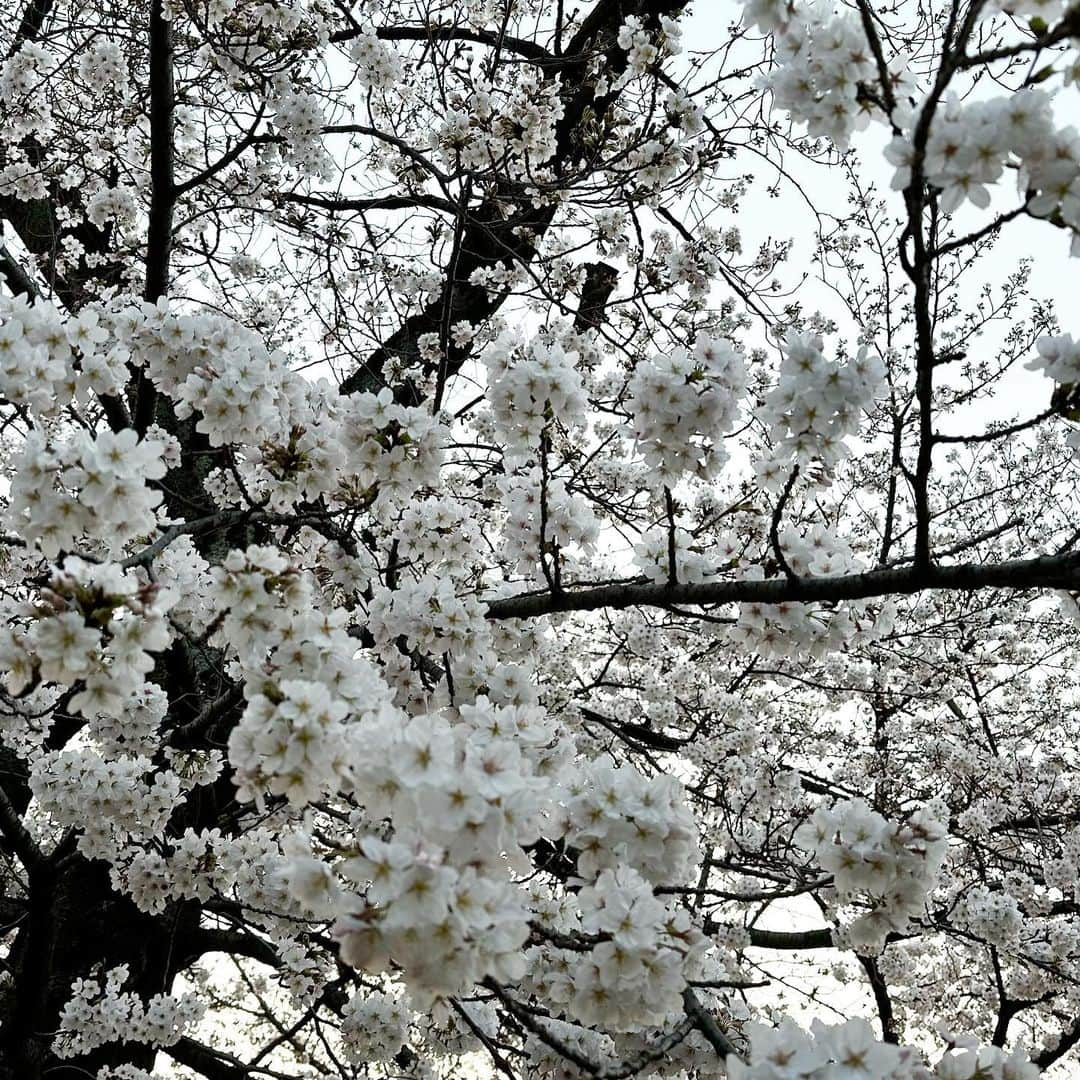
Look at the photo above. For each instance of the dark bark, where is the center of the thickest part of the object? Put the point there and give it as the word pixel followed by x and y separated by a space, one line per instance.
pixel 491 236
pixel 600 281
pixel 77 924
pixel 1041 572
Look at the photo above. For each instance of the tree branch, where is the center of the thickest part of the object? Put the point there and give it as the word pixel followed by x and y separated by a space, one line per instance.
pixel 163 191
pixel 1042 572
pixel 383 202
pixel 15 275
pixel 17 838
pixel 706 1023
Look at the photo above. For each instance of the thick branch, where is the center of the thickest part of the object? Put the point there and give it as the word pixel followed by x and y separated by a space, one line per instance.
pixel 530 50
pixel 213 1064
pixel 793 940
pixel 1044 572
pixel 15 275
pixel 1069 1038
pixel 33 19
pixel 234 942
pixel 600 280
pixel 384 202
pixel 707 1025
pixel 15 838
pixel 163 191
pixel 997 433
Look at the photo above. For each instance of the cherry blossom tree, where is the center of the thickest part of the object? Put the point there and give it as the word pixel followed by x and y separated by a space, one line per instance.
pixel 482 596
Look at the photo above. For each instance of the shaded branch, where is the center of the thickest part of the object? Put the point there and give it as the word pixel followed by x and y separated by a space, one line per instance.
pixel 997 433
pixel 16 838
pixel 706 1023
pixel 213 1064
pixel 507 227
pixel 162 191
pixel 15 275
pixel 385 202
pixel 530 50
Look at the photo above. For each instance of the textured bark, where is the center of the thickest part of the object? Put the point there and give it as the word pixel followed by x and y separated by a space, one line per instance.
pixel 77 924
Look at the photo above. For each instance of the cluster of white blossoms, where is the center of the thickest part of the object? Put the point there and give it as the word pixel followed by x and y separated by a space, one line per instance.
pixel 694 263
pixel 531 387
pixel 172 345
pixel 292 743
pixel 250 868
pixel 111 800
pixel 687 116
pixel 85 486
pixel 655 162
pixel 682 404
pixel 994 917
pixel 257 592
pixel 440 532
pixel 817 553
pixel 103 67
pixel 476 790
pixel 96 625
pixel 122 1072
pixel 788 1052
pixel 28 111
pixel 543 516
pixel 446 1031
pixel 96 1015
pixel 1058 359
pixel 36 362
pixel 295 439
pixel 446 926
pixel 467 792
pixel 303 679
pixel 973 144
pixel 634 974
pixel 851 1051
pixel 430 616
pixel 136 729
pixel 49 360
pixel 238 392
pixel 391 449
pixel 301 442
pixel 298 117
pixel 793 628
pixel 992 1062
pixel 510 130
pixel 616 817
pixel 887 866
pixel 109 204
pixel 644 47
pixel 378 64
pixel 181 569
pixel 823 59
pixel 653 551
pixel 374 1027
pixel 816 404
pixel 23 70
pixel 826 66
